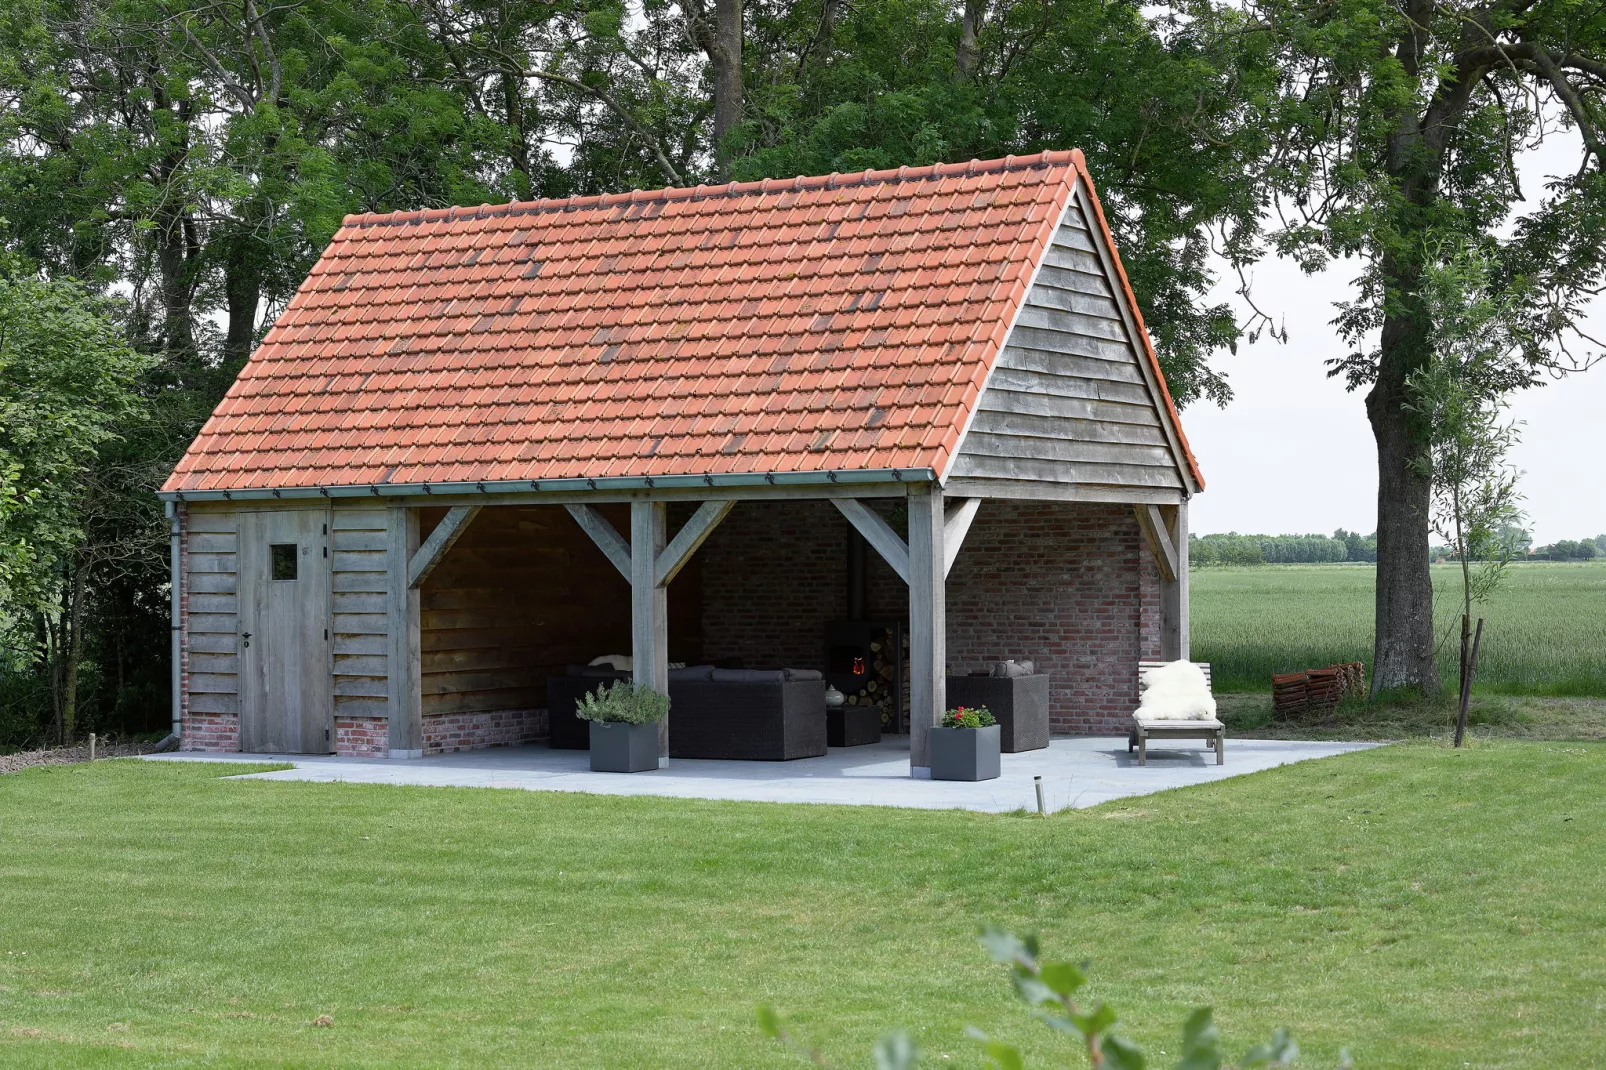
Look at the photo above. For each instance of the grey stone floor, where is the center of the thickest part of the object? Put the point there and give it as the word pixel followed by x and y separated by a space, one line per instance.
pixel 1077 771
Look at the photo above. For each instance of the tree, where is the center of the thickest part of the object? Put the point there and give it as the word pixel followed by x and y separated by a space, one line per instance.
pixel 1392 130
pixel 1458 399
pixel 67 383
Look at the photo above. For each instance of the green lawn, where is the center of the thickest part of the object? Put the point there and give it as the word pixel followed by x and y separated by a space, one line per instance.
pixel 1429 908
pixel 1546 627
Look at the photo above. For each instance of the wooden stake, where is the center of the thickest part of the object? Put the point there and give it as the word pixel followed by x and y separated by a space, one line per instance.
pixel 91 746
pixel 1469 667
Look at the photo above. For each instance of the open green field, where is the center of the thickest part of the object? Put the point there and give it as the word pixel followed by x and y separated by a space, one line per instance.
pixel 1545 632
pixel 1425 907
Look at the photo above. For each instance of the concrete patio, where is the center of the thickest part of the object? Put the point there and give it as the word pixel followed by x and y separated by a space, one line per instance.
pixel 1077 771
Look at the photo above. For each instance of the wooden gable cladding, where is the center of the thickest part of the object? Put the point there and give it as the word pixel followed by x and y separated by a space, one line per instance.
pixel 1072 407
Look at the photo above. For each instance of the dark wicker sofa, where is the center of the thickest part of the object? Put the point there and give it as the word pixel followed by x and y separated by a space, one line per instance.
pixel 732 714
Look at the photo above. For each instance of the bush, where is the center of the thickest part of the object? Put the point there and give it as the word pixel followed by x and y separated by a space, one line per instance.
pixel 969 717
pixel 623 703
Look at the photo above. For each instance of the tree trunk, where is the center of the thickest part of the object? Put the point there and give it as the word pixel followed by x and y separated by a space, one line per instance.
pixel 242 284
pixel 967 52
pixel 173 262
pixel 72 653
pixel 722 42
pixel 1403 653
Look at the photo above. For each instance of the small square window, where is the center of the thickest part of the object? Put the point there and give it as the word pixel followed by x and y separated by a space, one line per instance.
pixel 284 560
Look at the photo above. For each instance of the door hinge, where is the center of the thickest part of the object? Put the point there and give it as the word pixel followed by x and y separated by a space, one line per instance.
pixel 326 633
pixel 326 735
pixel 326 551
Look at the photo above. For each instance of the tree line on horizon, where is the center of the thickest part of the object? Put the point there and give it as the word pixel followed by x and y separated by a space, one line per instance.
pixel 1513 543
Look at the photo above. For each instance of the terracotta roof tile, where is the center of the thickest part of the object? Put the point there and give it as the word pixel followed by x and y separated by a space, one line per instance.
pixel 783 325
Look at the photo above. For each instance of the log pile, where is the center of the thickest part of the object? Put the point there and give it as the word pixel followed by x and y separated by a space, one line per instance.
pixel 1316 692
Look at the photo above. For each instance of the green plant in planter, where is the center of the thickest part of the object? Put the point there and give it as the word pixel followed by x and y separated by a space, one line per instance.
pixel 623 703
pixel 969 717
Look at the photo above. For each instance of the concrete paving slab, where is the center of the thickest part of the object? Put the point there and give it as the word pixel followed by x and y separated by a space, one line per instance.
pixel 1077 771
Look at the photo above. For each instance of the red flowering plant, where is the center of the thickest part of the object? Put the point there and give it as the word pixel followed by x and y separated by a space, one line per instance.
pixel 969 717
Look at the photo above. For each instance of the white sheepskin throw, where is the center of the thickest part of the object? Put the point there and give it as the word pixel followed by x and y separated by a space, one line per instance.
pixel 620 662
pixel 1177 692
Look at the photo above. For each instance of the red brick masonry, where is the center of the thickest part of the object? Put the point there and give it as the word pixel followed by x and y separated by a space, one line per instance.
pixel 362 737
pixel 211 732
pixel 1071 586
pixel 448 732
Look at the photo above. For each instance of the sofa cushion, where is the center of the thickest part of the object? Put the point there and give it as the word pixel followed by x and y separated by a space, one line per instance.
pixel 748 676
pixel 803 674
pixel 691 672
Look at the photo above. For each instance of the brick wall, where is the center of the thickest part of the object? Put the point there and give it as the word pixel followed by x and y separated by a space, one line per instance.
pixel 211 732
pixel 1069 585
pixel 362 737
pixel 1065 585
pixel 448 732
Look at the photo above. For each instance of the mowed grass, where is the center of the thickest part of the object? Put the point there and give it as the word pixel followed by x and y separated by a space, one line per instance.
pixel 1545 632
pixel 1423 906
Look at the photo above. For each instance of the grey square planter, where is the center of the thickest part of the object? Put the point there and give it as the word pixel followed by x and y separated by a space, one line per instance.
pixel 965 753
pixel 1020 703
pixel 623 748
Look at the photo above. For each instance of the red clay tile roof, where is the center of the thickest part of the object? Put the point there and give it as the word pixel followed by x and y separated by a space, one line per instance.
pixel 793 325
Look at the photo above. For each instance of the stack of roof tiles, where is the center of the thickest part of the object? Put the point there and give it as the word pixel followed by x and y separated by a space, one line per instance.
pixel 811 324
pixel 1316 692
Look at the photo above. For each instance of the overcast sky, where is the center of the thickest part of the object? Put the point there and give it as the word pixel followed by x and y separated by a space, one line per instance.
pixel 1293 452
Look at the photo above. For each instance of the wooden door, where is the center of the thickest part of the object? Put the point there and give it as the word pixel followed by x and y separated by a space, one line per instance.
pixel 286 678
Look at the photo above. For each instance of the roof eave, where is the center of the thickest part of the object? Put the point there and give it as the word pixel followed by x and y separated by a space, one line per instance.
pixel 608 484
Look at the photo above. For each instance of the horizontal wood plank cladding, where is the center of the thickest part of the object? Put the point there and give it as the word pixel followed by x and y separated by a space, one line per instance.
pixel 1084 277
pixel 358 625
pixel 212 610
pixel 980 467
pixel 1026 394
pixel 1069 403
pixel 1061 428
pixel 522 594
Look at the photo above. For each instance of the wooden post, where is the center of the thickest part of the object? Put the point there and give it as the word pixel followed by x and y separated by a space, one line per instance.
pixel 404 686
pixel 1174 592
pixel 928 658
pixel 649 607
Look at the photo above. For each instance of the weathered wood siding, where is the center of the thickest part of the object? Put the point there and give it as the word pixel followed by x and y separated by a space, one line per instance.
pixel 1069 401
pixel 359 603
pixel 213 606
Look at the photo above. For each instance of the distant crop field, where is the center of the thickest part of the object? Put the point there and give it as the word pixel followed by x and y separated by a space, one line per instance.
pixel 1545 632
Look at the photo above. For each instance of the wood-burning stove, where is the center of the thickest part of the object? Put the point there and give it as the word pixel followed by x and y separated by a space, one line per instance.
pixel 868 661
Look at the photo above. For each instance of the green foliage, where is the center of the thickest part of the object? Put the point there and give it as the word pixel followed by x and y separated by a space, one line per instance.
pixel 1049 988
pixel 968 717
pixel 623 703
pixel 67 383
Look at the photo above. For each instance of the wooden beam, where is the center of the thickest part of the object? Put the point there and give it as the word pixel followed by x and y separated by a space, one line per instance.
pixel 609 541
pixel 447 532
pixel 1156 534
pixel 1174 638
pixel 956 521
pixel 928 629
pixel 690 537
pixel 893 550
pixel 649 607
pixel 403 691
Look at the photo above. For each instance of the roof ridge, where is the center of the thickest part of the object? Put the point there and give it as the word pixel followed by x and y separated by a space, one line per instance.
pixel 835 180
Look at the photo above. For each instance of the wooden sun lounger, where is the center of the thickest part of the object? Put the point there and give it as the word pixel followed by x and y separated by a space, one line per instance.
pixel 1213 732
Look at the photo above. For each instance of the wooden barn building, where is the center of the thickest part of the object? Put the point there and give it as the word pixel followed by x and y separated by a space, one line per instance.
pixel 484 444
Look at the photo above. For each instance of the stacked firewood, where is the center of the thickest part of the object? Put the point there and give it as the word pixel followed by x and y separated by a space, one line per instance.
pixel 1316 692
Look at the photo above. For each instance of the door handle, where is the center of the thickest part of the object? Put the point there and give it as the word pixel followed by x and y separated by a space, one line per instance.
pixel 247 637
